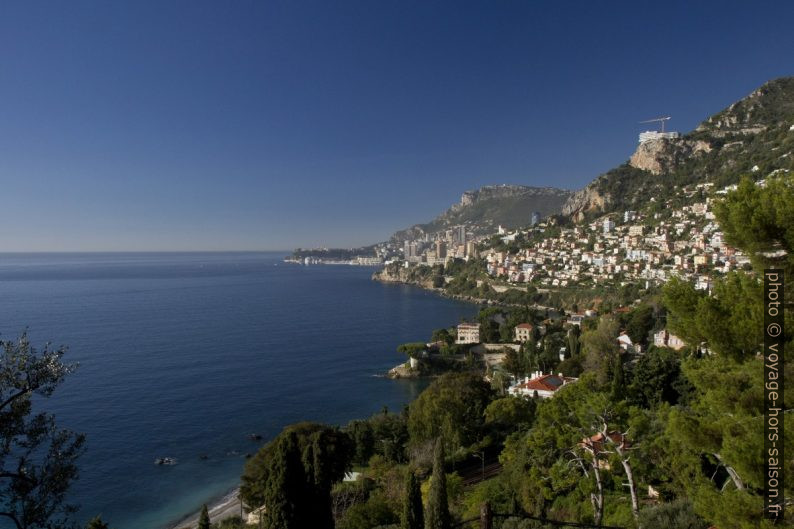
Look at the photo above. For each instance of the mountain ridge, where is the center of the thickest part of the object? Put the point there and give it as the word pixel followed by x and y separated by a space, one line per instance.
pixel 740 139
pixel 482 210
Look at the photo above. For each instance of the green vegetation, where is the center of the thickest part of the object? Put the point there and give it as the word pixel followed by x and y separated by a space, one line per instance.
pixel 293 475
pixel 509 206
pixel 97 523
pixel 413 514
pixel 334 254
pixel 204 518
pixel 37 458
pixel 684 425
pixel 452 408
pixel 437 507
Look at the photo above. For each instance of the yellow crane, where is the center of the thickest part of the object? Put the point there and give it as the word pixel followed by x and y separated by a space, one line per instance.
pixel 660 120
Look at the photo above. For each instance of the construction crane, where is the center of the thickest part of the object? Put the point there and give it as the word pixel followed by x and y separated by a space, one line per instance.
pixel 660 120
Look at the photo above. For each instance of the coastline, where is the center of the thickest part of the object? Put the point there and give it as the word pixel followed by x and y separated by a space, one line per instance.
pixel 222 508
pixel 227 505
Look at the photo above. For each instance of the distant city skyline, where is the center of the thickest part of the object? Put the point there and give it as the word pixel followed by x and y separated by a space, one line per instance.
pixel 177 126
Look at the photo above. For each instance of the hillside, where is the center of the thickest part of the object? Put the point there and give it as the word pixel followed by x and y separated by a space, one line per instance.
pixel 483 210
pixel 751 136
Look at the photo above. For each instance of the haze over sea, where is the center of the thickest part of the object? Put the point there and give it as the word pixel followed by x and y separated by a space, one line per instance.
pixel 187 354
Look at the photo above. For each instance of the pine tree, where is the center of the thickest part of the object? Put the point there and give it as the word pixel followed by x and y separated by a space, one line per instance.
pixel 413 518
pixel 204 518
pixel 437 516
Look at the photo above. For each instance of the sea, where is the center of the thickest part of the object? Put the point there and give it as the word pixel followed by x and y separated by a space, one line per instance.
pixel 185 355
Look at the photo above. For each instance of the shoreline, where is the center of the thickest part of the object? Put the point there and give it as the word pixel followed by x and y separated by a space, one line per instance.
pixel 228 504
pixel 220 509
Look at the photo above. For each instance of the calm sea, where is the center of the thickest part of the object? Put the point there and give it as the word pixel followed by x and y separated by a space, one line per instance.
pixel 183 355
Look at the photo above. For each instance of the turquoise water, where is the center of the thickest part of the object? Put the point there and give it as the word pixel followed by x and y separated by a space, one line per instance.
pixel 184 355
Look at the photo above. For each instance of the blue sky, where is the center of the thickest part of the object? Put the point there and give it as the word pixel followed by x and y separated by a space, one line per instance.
pixel 188 125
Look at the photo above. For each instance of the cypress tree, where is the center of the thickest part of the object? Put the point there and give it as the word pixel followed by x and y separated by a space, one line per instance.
pixel 437 516
pixel 618 381
pixel 413 517
pixel 204 518
pixel 286 485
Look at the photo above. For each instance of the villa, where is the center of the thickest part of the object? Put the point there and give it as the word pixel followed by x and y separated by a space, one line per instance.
pixel 543 386
pixel 468 333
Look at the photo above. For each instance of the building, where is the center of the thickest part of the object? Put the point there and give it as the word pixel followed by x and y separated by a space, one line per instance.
pixel 650 135
pixel 523 332
pixel 535 218
pixel 624 341
pixel 468 333
pixel 629 216
pixel 441 249
pixel 471 249
pixel 609 225
pixel 543 386
pixel 665 339
pixel 369 261
pixel 461 235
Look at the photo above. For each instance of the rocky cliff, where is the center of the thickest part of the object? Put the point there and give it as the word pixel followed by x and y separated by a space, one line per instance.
pixel 753 135
pixel 399 274
pixel 666 155
pixel 484 209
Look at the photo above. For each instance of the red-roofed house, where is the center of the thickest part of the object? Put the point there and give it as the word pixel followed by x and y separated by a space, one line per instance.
pixel 544 386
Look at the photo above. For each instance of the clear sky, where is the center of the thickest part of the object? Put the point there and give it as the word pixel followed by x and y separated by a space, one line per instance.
pixel 189 125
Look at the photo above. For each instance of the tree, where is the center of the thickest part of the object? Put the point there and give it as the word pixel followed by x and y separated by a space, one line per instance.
pixel 640 323
pixel 204 518
pixel 97 523
pixel 285 486
pixel 450 408
pixel 37 458
pixel 413 349
pixel 437 508
pixel 716 440
pixel 675 515
pixel 413 517
pixel 443 335
pixel 573 341
pixel 657 378
pixel 510 414
pixel 760 221
pixel 513 363
pixel 294 473
pixel 375 512
pixel 601 348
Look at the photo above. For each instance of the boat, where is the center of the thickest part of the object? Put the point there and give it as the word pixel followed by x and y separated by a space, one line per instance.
pixel 255 437
pixel 165 461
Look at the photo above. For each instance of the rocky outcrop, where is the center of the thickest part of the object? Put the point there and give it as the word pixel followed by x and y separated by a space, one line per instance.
pixel 769 105
pixel 584 200
pixel 400 274
pixel 665 155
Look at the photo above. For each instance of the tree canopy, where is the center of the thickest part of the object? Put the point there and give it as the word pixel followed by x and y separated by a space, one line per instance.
pixel 37 457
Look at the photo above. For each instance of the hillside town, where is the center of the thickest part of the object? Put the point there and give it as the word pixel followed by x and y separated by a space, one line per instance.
pixel 632 247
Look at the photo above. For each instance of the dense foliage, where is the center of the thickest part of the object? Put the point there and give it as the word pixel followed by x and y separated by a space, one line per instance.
pixel 293 475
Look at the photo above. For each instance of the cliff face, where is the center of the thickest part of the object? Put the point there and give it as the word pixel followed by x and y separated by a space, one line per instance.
pixel 586 199
pixel 751 135
pixel 400 274
pixel 484 209
pixel 666 155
